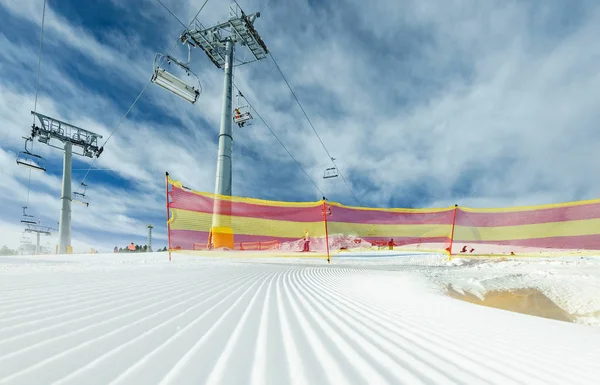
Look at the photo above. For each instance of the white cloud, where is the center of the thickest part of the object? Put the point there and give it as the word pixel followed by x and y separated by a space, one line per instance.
pixel 469 100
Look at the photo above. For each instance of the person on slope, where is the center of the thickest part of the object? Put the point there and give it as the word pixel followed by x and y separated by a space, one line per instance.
pixel 306 238
pixel 238 115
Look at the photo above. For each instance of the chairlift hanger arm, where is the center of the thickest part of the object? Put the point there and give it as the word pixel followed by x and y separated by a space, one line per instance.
pixel 170 58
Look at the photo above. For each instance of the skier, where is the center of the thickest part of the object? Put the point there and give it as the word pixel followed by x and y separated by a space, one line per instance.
pixel 391 244
pixel 306 241
pixel 238 116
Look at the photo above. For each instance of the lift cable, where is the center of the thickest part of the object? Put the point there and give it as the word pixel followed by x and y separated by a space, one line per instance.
pixel 172 14
pixel 280 142
pixel 37 88
pixel 143 89
pixel 313 127
pixel 37 82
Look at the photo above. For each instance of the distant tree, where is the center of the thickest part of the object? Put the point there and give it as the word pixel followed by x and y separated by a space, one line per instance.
pixel 6 251
pixel 145 248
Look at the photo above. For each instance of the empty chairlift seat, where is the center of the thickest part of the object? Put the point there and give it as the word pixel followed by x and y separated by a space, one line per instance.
pixel 170 82
pixel 27 219
pixel 330 173
pixel 81 197
pixel 28 159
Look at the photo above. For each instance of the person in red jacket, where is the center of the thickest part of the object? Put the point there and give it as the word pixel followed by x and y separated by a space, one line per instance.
pixel 391 244
pixel 306 241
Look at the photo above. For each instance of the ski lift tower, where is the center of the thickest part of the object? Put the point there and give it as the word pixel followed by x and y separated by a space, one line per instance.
pixel 150 227
pixel 51 130
pixel 219 42
pixel 37 229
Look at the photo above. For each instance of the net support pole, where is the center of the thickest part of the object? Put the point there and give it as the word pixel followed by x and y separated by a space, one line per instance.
pixel 452 233
pixel 222 233
pixel 168 216
pixel 37 245
pixel 325 213
pixel 64 226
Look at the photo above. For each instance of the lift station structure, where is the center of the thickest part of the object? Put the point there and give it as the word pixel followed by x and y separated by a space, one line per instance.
pixel 219 43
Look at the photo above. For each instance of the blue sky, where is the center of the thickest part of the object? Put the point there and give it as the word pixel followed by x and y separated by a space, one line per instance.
pixel 422 103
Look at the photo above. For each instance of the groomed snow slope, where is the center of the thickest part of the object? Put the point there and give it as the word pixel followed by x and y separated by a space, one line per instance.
pixel 125 319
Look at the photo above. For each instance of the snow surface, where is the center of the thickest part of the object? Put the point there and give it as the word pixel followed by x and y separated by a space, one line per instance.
pixel 123 319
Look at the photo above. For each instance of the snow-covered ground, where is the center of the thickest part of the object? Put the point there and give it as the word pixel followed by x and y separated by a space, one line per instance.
pixel 123 319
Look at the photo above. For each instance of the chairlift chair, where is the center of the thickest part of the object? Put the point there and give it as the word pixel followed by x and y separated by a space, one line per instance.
pixel 241 114
pixel 170 82
pixel 27 219
pixel 25 239
pixel 29 159
pixel 80 197
pixel 330 172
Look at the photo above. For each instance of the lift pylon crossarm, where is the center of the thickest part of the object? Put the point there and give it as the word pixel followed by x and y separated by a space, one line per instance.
pixel 238 29
pixel 51 128
pixel 31 228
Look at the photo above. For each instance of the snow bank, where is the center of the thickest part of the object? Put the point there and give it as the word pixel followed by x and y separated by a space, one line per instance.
pixel 572 283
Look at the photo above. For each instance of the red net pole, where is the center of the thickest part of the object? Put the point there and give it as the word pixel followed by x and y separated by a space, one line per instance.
pixel 325 213
pixel 452 233
pixel 168 217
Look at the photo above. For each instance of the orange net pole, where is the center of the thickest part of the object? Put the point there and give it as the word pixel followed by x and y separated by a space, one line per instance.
pixel 452 233
pixel 168 218
pixel 325 213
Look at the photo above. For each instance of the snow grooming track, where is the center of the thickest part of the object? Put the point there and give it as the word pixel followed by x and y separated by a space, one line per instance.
pixel 220 321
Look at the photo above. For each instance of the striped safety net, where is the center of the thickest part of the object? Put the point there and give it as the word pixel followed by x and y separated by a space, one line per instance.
pixel 520 230
pixel 201 221
pixel 415 229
